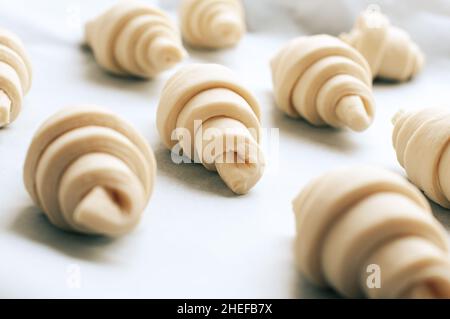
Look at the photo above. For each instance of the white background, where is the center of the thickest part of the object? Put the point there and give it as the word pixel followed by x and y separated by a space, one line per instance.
pixel 196 240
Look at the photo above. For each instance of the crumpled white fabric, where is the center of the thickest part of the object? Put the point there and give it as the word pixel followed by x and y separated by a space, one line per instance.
pixel 427 21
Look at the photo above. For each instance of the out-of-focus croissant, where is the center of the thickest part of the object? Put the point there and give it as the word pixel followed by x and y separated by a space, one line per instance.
pixel 15 76
pixel 133 38
pixel 355 221
pixel 389 50
pixel 422 142
pixel 325 81
pixel 212 23
pixel 90 171
pixel 214 119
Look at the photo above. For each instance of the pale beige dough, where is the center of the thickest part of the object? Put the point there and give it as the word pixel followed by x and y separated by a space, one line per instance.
pixel 325 81
pixel 356 217
pixel 133 38
pixel 212 23
pixel 210 93
pixel 389 50
pixel 422 142
pixel 90 171
pixel 15 76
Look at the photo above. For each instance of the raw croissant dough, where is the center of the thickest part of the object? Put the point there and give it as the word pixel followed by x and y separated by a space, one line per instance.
pixel 212 23
pixel 133 38
pixel 211 94
pixel 325 81
pixel 389 50
pixel 422 142
pixel 90 171
pixel 357 217
pixel 15 76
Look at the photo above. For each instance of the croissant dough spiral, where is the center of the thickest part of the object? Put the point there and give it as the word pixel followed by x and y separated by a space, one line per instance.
pixel 389 50
pixel 212 23
pixel 211 94
pixel 90 171
pixel 325 81
pixel 133 38
pixel 422 142
pixel 15 76
pixel 355 217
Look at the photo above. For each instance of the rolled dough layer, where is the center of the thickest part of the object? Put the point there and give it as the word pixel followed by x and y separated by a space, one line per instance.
pixel 422 142
pixel 15 76
pixel 212 23
pixel 389 50
pixel 133 38
pixel 324 81
pixel 355 219
pixel 227 139
pixel 90 171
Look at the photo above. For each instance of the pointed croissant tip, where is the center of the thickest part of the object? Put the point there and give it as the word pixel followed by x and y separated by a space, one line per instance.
pixel 397 116
pixel 165 53
pixel 227 26
pixel 352 112
pixel 241 177
pixel 101 213
pixel 344 37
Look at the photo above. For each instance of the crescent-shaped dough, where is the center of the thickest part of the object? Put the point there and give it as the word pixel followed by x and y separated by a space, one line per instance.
pixel 90 171
pixel 389 50
pixel 422 142
pixel 356 217
pixel 325 81
pixel 226 137
pixel 212 23
pixel 15 76
pixel 133 38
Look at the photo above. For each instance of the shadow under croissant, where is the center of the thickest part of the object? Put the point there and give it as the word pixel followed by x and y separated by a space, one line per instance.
pixel 33 225
pixel 94 73
pixel 441 214
pixel 306 290
pixel 191 175
pixel 386 82
pixel 338 139
pixel 208 55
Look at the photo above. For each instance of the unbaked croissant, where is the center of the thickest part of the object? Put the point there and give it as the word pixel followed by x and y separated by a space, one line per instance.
pixel 90 171
pixel 133 38
pixel 215 120
pixel 325 81
pixel 212 23
pixel 389 50
pixel 15 76
pixel 356 219
pixel 422 142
